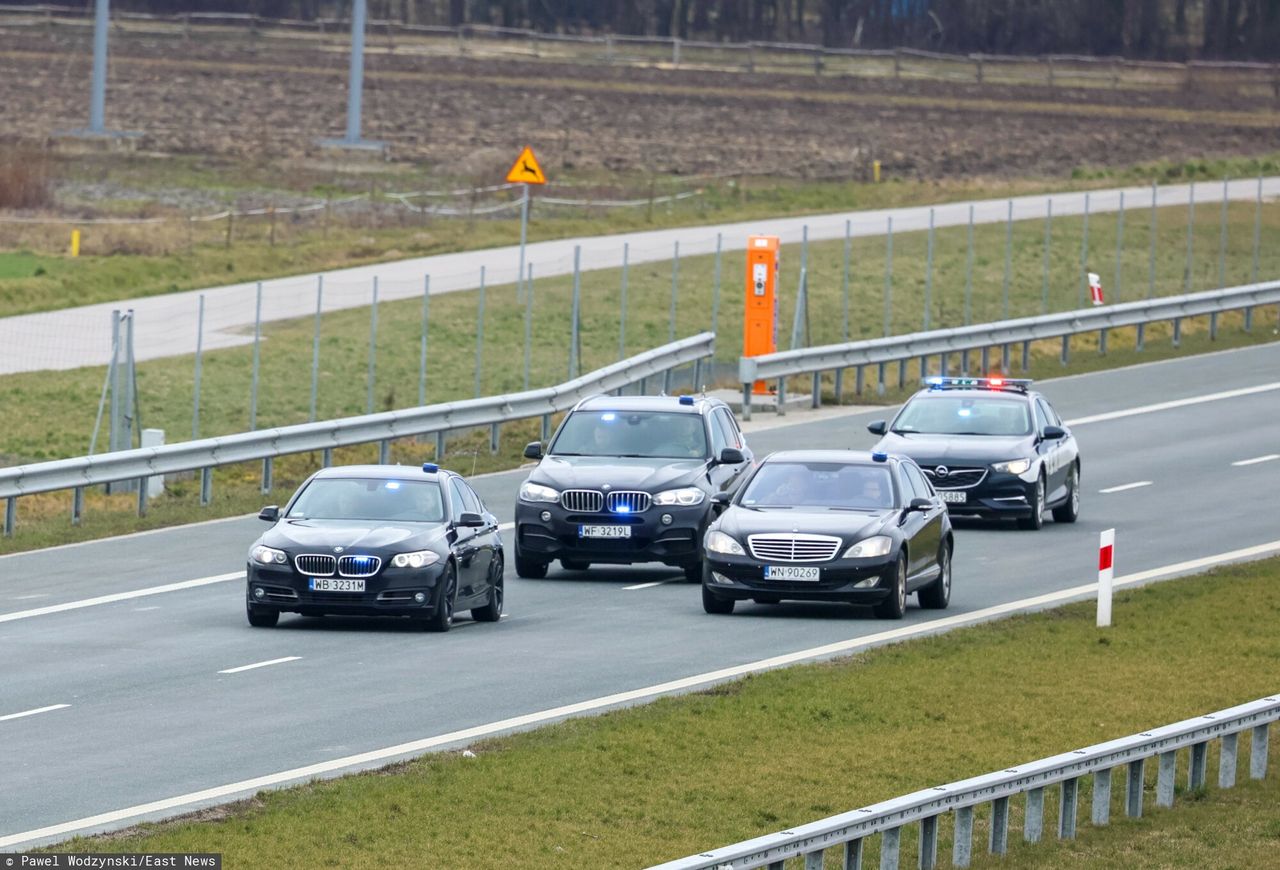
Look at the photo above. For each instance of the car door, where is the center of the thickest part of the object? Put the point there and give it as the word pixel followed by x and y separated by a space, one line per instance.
pixel 465 542
pixel 486 538
pixel 725 433
pixel 1052 451
pixel 927 537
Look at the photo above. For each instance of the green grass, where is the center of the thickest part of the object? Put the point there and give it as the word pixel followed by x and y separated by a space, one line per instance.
pixel 781 748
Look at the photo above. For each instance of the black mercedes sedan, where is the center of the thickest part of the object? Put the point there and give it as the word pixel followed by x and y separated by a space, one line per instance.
pixel 628 479
pixel 830 525
pixel 378 540
pixel 992 447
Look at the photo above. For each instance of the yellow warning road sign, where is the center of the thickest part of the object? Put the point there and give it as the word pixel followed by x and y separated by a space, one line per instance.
pixel 526 169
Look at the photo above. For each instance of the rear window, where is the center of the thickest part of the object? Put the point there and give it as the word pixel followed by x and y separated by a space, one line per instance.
pixel 369 499
pixel 648 434
pixel 964 415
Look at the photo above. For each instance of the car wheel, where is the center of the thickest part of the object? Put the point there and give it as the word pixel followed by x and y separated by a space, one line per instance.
pixel 1036 520
pixel 895 605
pixel 937 595
pixel 441 618
pixel 766 599
pixel 713 603
pixel 529 568
pixel 574 565
pixel 1069 511
pixel 261 617
pixel 492 610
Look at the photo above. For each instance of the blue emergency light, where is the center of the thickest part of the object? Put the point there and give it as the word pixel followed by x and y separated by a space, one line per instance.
pixel 879 456
pixel 686 400
pixel 430 467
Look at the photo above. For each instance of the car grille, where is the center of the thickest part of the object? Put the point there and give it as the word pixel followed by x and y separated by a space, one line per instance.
pixel 315 564
pixel 957 478
pixel 359 566
pixel 793 548
pixel 585 501
pixel 627 502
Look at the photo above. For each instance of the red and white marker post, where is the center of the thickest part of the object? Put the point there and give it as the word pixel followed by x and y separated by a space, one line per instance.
pixel 1106 574
pixel 1095 289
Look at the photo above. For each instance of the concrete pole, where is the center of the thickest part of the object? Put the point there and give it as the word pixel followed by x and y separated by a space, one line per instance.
pixel 355 86
pixel 98 94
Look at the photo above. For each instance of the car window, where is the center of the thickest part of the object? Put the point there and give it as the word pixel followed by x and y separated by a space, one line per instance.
pixel 1050 414
pixel 457 504
pixel 719 437
pixel 731 432
pixel 964 415
pixel 469 497
pixel 918 482
pixel 1041 419
pixel 369 499
pixel 819 484
pixel 649 434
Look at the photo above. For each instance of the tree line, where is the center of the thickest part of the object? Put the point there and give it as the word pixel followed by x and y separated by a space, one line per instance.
pixel 1159 29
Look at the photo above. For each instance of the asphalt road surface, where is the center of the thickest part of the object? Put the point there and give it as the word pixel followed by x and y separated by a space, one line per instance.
pixel 142 706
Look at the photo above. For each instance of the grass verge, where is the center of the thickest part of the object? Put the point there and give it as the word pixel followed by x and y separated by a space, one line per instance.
pixel 781 748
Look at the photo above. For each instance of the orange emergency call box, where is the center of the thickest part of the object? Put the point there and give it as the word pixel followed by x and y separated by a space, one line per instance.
pixel 760 329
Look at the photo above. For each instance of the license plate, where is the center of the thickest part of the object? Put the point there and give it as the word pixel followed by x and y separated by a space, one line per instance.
pixel 604 531
pixel 335 584
pixel 790 572
pixel 953 496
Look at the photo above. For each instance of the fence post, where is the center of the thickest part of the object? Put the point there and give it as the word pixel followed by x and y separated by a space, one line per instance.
pixel 715 292
pixel 675 279
pixel 422 351
pixel 573 325
pixel 195 401
pixel 1257 233
pixel 1191 217
pixel 968 273
pixel 622 305
pixel 1048 240
pixel 1151 245
pixel 1084 256
pixel 315 347
pixel 888 288
pixel 480 334
pixel 977 60
pixel 1008 263
pixel 373 347
pixel 528 321
pixel 844 294
pixel 928 274
pixel 1119 246
pixel 257 343
pixel 1222 238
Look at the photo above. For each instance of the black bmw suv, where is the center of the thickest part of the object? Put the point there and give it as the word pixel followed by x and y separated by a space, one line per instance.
pixel 991 447
pixel 628 479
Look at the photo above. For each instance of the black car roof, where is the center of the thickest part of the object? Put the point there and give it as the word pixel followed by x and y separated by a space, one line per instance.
pixel 381 472
pixel 701 404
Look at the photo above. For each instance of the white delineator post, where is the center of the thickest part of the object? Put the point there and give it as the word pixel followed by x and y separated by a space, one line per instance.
pixel 1106 574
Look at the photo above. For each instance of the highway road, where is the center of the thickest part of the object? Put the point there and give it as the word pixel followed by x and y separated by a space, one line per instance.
pixel 167 325
pixel 144 705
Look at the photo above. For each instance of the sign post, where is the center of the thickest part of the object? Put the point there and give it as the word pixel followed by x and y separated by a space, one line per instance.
pixel 525 171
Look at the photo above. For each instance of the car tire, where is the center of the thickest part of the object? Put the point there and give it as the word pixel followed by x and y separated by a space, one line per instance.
pixel 895 606
pixel 937 595
pixel 261 617
pixel 529 568
pixel 492 610
pixel 1069 510
pixel 1036 520
pixel 441 618
pixel 574 565
pixel 713 603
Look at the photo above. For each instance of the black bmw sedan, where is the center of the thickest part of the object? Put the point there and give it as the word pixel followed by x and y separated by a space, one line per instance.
pixel 830 525
pixel 378 540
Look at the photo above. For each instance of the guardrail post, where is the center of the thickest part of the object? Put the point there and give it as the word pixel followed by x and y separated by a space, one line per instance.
pixel 998 837
pixel 1067 809
pixel 942 364
pixel 817 390
pixel 268 468
pixel 746 401
pixel 962 839
pixel 206 485
pixel 1102 342
pixel 880 379
pixel 1026 355
pixel 1142 337
pixel 857 383
pixel 890 842
pixel 902 373
pixel 546 426
pixel 813 860
pixel 986 361
pixel 1177 331
pixel 142 496
pixel 1066 349
pixel 853 855
pixel 1195 770
pixel 964 361
pixel 782 397
pixel 1213 326
pixel 440 439
pixel 1004 358
pixel 77 505
pixel 1258 752
pixel 10 515
pixel 1164 778
pixel 1227 760
pixel 1101 814
pixel 1033 820
pixel 494 436
pixel 929 843
pixel 1133 789
pixel 384 452
pixel 326 457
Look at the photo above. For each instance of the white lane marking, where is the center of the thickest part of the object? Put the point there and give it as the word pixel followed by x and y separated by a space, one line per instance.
pixel 34 712
pixel 1138 485
pixel 1176 403
pixel 555 713
pixel 645 585
pixel 127 536
pixel 120 596
pixel 1255 460
pixel 260 665
pixel 145 609
pixel 29 597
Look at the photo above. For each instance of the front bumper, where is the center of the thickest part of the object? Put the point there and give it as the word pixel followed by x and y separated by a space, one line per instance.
pixel 390 592
pixel 676 543
pixel 741 577
pixel 997 496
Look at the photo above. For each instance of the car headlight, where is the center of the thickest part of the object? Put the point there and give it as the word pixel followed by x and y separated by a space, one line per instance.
pixel 719 542
pixel 878 545
pixel 1013 466
pixel 420 559
pixel 538 492
pixel 686 497
pixel 268 555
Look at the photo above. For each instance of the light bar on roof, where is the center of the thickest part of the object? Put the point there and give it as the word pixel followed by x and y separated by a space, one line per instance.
pixel 936 382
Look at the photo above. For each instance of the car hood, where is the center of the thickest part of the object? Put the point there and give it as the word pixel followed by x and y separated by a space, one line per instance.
pixel 956 450
pixel 596 472
pixel 324 535
pixel 851 526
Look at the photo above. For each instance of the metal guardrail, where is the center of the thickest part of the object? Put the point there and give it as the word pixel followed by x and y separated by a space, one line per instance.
pixel 982 337
pixel 926 807
pixel 208 453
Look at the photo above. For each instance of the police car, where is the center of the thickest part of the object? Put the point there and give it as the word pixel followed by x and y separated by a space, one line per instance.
pixel 992 447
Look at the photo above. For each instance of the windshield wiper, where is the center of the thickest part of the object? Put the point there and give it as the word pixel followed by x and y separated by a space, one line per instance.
pixel 904 431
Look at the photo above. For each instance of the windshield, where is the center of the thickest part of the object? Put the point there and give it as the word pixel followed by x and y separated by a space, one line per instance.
pixel 370 499
pixel 820 484
pixel 964 415
pixel 653 434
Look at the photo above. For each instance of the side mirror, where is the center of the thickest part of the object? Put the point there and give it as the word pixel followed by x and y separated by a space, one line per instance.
pixel 533 450
pixel 1053 433
pixel 270 513
pixel 920 504
pixel 877 427
pixel 470 520
pixel 721 499
pixel 731 456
